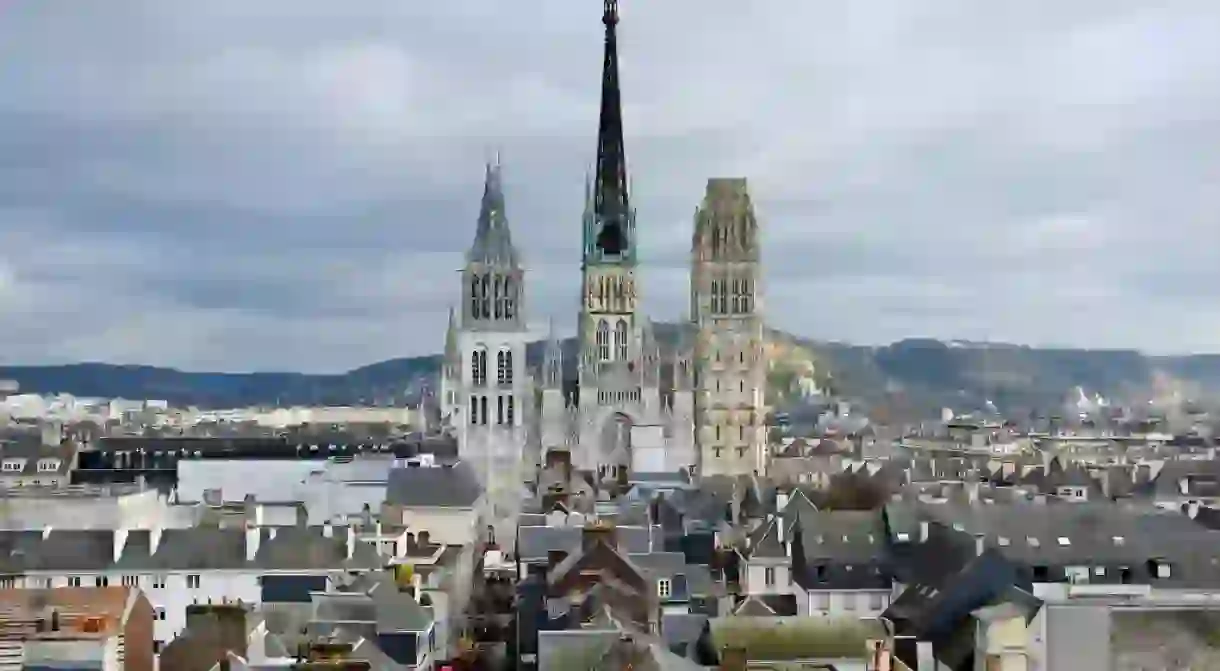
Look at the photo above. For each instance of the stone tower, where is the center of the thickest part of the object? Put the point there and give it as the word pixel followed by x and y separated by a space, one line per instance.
pixel 608 321
pixel 484 373
pixel 730 365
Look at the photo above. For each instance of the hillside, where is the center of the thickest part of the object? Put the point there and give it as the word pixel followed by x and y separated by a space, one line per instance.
pixel 922 373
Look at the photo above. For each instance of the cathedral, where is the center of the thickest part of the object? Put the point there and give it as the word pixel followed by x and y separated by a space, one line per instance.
pixel 623 401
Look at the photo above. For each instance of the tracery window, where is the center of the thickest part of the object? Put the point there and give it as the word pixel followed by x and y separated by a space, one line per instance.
pixel 475 303
pixel 620 339
pixel 603 340
pixel 504 366
pixel 485 297
pixel 510 298
pixel 498 296
pixel 478 367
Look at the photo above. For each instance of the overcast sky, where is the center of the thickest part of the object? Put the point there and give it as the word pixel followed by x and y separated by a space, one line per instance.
pixel 290 184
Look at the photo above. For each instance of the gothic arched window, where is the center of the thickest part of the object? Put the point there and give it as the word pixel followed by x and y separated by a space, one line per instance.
pixel 474 297
pixel 485 297
pixel 737 297
pixel 620 340
pixel 483 410
pixel 603 340
pixel 504 366
pixel 510 298
pixel 723 296
pixel 498 295
pixel 478 367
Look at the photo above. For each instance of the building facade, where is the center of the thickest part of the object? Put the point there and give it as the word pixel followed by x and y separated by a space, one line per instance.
pixel 730 368
pixel 485 389
pixel 619 401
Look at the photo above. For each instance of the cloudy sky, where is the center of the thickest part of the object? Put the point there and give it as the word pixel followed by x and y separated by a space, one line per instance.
pixel 289 184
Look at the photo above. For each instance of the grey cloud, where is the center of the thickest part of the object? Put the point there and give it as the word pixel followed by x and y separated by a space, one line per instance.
pixel 291 184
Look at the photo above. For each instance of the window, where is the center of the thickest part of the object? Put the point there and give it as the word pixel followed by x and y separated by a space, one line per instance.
pixel 131 581
pixel 504 366
pixel 620 339
pixel 474 410
pixel 8 582
pixel 716 452
pixel 160 613
pixel 1041 574
pixel 485 297
pixel 724 297
pixel 664 588
pixel 192 581
pixel 603 340
pixel 849 600
pixel 715 296
pixel 500 410
pixel 499 298
pixel 483 410
pixel 157 645
pixel 819 601
pixel 769 576
pixel 508 412
pixel 48 583
pixel 819 573
pixel 74 581
pixel 478 367
pixel 510 298
pixel 474 297
pixel 158 582
pixel 876 601
pixel 717 432
pixel 736 296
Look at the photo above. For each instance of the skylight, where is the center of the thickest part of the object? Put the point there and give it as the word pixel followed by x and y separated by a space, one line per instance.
pixel 1065 541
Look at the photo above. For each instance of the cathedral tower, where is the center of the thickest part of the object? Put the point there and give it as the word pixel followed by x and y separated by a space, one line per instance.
pixel 485 361
pixel 730 364
pixel 609 300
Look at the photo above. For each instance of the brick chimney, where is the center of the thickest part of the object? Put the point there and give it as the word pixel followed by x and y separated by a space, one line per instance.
pixel 733 658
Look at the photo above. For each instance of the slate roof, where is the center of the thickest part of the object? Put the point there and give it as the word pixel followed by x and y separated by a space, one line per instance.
pixel 453 486
pixel 196 548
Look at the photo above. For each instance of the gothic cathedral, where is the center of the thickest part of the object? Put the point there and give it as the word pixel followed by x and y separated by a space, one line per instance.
pixel 625 404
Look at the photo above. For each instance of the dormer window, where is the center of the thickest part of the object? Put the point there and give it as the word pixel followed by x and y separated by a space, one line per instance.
pixel 15 465
pixel 48 465
pixel 664 588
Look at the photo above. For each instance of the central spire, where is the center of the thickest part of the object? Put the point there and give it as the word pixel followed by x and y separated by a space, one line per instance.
pixel 610 203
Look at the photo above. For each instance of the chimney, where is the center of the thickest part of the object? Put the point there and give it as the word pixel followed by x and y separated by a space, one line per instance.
pixel 351 541
pixel 154 540
pixel 328 529
pixel 733 658
pixel 779 531
pixel 781 501
pixel 254 537
pixel 980 544
pixel 120 542
pixel 924 529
